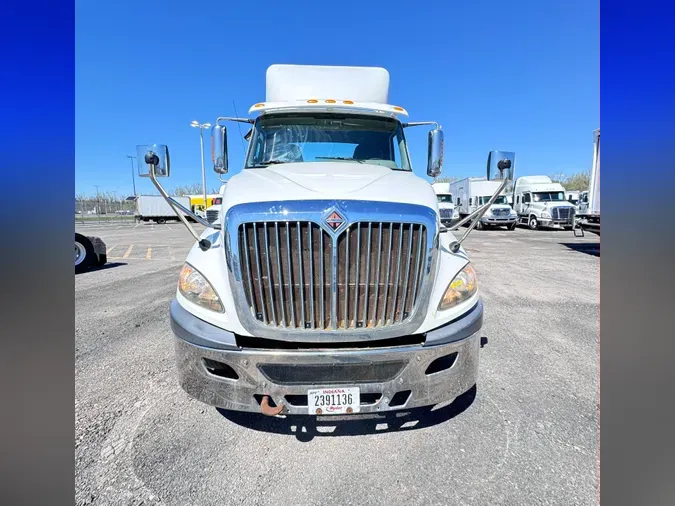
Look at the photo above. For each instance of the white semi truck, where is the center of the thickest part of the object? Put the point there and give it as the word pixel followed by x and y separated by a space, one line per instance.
pixel 540 202
pixel 589 205
pixel 446 207
pixel 327 284
pixel 472 193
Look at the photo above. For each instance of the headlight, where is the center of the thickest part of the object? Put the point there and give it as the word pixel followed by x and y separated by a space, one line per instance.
pixel 513 214
pixel 544 214
pixel 460 289
pixel 194 287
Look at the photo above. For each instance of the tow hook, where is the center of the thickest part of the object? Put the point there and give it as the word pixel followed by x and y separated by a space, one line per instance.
pixel 269 410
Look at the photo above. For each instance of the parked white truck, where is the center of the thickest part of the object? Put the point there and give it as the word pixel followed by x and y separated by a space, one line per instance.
pixel 327 284
pixel 540 202
pixel 156 208
pixel 472 193
pixel 446 207
pixel 589 205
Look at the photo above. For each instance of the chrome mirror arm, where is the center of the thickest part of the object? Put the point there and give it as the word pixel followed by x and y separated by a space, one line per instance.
pixel 475 216
pixel 204 244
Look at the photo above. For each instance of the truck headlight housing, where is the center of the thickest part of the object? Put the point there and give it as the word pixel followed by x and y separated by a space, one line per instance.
pixel 513 214
pixel 461 288
pixel 194 287
pixel 544 214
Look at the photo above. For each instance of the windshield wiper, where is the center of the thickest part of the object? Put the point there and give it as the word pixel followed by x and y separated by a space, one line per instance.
pixel 264 164
pixel 339 158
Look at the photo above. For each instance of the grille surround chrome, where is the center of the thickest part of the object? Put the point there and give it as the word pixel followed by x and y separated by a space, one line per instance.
pixel 316 211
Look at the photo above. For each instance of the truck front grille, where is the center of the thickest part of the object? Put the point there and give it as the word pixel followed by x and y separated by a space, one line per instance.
pixel 446 214
pixel 287 270
pixel 501 212
pixel 562 213
pixel 211 215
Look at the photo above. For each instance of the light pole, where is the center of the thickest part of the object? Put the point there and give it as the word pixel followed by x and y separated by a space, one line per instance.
pixel 133 178
pixel 202 126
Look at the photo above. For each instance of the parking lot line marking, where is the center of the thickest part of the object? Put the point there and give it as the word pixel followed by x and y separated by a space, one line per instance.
pixel 110 249
pixel 149 254
pixel 126 255
pixel 167 226
pixel 139 224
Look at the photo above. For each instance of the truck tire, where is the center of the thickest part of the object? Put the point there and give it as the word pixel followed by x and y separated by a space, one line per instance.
pixel 160 221
pixel 479 225
pixel 513 225
pixel 102 260
pixel 84 253
pixel 533 223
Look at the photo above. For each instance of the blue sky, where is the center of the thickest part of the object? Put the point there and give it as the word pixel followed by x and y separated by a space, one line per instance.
pixel 517 76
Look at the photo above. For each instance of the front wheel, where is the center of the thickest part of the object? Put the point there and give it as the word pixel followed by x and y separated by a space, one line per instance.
pixel 84 253
pixel 479 225
pixel 160 221
pixel 512 226
pixel 533 223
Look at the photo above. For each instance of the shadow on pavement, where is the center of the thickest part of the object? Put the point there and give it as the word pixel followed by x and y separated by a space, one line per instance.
pixel 307 427
pixel 592 248
pixel 110 265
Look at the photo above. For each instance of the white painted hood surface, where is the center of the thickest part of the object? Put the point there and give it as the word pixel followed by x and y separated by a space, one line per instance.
pixel 328 180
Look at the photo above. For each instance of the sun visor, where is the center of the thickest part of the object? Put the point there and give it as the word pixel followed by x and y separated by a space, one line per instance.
pixel 289 83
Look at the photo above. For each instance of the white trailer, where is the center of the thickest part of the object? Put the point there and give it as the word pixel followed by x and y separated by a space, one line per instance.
pixel 472 193
pixel 156 208
pixel 589 205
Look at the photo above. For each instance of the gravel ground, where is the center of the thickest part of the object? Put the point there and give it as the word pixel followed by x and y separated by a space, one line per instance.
pixel 530 435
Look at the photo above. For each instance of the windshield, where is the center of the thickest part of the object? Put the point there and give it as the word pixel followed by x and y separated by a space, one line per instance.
pixel 320 137
pixel 499 200
pixel 444 199
pixel 548 196
pixel 217 201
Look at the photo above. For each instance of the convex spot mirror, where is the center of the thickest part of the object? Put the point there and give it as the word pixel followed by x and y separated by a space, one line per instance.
pixel 153 156
pixel 435 153
pixel 219 149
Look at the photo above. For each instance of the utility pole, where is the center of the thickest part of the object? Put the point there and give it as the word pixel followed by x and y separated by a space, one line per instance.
pixel 202 126
pixel 98 210
pixel 133 177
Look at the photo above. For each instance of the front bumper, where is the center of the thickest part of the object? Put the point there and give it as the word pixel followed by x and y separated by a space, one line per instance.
pixel 506 220
pixel 556 223
pixel 286 375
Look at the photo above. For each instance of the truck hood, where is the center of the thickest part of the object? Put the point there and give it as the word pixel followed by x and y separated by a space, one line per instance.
pixel 328 180
pixel 445 205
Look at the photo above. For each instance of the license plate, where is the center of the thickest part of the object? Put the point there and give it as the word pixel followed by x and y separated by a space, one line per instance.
pixel 333 401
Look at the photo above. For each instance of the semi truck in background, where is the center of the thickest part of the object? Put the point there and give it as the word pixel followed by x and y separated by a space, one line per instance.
pixel 156 208
pixel 213 212
pixel 589 205
pixel 446 207
pixel 197 204
pixel 326 285
pixel 472 193
pixel 573 196
pixel 539 202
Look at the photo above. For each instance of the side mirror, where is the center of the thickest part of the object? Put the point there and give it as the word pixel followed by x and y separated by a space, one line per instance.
pixel 153 159
pixel 435 153
pixel 219 149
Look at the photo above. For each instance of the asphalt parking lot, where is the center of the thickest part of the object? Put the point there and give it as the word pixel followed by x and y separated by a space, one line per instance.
pixel 530 435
